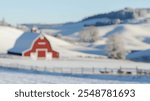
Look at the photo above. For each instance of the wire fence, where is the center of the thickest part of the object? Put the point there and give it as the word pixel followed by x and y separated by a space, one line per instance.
pixel 93 71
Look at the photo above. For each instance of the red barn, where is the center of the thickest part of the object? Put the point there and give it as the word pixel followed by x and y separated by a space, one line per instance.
pixel 33 45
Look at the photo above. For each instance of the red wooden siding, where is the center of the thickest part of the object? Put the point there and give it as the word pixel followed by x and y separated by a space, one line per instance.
pixel 41 53
pixel 42 44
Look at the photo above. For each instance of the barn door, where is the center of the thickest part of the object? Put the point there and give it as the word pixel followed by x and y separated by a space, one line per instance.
pixel 41 53
pixel 44 54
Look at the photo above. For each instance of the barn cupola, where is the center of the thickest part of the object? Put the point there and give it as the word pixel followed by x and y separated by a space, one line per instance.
pixel 42 37
pixel 34 30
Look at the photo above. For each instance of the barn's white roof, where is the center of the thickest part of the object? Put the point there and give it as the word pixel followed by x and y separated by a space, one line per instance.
pixel 24 42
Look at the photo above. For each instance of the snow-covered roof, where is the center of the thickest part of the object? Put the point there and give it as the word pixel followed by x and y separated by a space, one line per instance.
pixel 24 42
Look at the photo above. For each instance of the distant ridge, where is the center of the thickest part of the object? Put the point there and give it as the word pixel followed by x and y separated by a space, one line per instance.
pixel 124 14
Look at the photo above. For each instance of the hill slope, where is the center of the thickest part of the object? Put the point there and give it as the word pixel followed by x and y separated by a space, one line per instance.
pixel 132 24
pixel 8 37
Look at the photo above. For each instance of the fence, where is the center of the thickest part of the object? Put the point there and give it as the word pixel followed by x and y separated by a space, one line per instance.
pixel 93 71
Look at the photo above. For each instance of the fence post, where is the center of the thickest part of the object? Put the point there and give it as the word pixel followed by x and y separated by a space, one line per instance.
pixel 82 70
pixel 105 70
pixel 71 70
pixel 120 71
pixel 45 68
pixel 53 69
pixel 61 70
pixel 93 70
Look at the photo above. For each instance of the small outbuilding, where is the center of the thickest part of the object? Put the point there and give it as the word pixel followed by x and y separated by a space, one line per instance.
pixel 34 45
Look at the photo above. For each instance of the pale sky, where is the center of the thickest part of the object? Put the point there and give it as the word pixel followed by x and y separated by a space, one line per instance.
pixel 59 11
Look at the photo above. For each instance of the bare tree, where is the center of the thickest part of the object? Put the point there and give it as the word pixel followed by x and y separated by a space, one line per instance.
pixel 89 34
pixel 116 47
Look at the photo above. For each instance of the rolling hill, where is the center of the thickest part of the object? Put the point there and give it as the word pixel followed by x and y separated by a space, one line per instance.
pixel 9 35
pixel 132 24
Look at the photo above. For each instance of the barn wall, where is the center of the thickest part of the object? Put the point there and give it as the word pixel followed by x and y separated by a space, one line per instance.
pixel 47 46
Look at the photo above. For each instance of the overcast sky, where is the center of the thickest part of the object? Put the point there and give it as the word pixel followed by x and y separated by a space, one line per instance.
pixel 58 11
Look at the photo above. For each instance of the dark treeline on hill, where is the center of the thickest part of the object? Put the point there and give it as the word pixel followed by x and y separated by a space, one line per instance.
pixel 127 13
pixel 121 16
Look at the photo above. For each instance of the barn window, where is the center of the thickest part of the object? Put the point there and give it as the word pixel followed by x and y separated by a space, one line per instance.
pixel 41 43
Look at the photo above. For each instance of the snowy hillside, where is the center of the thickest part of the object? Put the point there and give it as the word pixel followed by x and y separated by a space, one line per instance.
pixel 135 35
pixel 66 49
pixel 8 37
pixel 124 16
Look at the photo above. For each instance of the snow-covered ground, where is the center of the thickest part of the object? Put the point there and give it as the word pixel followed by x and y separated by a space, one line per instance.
pixel 136 36
pixel 75 56
pixel 73 63
pixel 69 71
pixel 8 37
pixel 24 76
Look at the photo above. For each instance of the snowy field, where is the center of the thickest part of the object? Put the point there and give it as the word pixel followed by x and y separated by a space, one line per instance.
pixel 72 63
pixel 23 71
pixel 24 76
